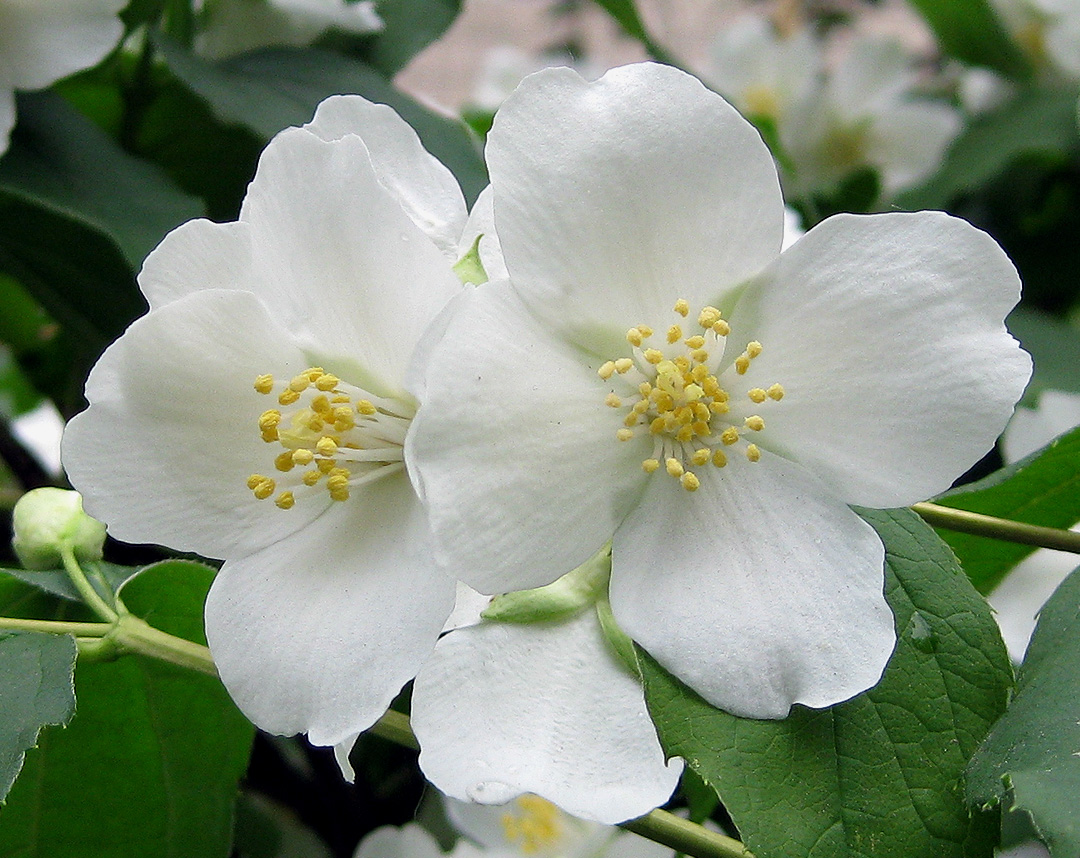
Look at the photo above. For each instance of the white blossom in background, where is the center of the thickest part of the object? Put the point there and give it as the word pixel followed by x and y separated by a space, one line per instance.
pixel 1047 30
pixel 527 827
pixel 42 41
pixel 1018 599
pixel 503 67
pixel 229 27
pixel 257 414
pixel 656 374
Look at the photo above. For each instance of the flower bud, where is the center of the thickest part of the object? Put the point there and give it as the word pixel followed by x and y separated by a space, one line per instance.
pixel 46 519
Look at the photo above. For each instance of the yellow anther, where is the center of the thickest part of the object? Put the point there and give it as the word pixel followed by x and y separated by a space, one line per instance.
pixel 633 336
pixel 752 452
pixel 300 383
pixel 607 370
pixel 754 423
pixel 708 317
pixel 753 348
pixel 325 466
pixel 623 365
pixel 343 412
pixel 719 458
pixel 682 307
pixel 674 334
pixel 254 480
pixel 312 477
pixel 302 457
pixel 650 465
pixel 270 435
pixel 719 407
pixel 646 331
pixel 693 392
pixel 699 373
pixel 690 482
pixel 721 328
pixel 632 419
pixel 327 382
pixel 624 434
pixel 701 428
pixel 269 419
pixel 366 408
pixel 315 424
pixel 288 397
pixel 776 392
pixel 264 383
pixel 700 355
pixel 742 364
pixel 264 489
pixel 685 434
pixel 340 399
pixel 701 456
pixel 653 356
pixel 641 406
pixel 612 400
pixel 701 411
pixel 730 435
pixel 695 342
pixel 645 388
pixel 321 405
pixel 682 363
pixel 757 395
pixel 674 467
pixel 658 425
pixel 326 446
pixel 285 500
pixel 314 373
pixel 284 461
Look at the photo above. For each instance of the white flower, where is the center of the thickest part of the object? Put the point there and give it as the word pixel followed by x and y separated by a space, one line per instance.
pixel 42 41
pixel 233 26
pixel 655 374
pixel 503 67
pixel 1049 32
pixel 257 414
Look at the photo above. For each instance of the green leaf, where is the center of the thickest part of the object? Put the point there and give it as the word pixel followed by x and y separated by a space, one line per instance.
pixel 150 764
pixel 1042 489
pixel 970 31
pixel 1032 750
pixel 269 90
pixel 35 690
pixel 880 774
pixel 1036 121
pixel 58 583
pixel 409 27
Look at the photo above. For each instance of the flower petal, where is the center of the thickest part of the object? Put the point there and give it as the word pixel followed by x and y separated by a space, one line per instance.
pixel 502 709
pixel 164 452
pixel 886 332
pixel 908 141
pixel 482 223
pixel 614 198
pixel 338 261
pixel 514 451
pixel 320 631
pixel 423 187
pixel 757 590
pixel 409 841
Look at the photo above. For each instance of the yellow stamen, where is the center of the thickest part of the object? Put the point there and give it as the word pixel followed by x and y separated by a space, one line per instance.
pixel 682 307
pixel 624 434
pixel 612 400
pixel 264 383
pixel 776 392
pixel 674 467
pixel 690 482
pixel 650 465
pixel 754 423
pixel 752 452
pixel 285 500
pixel 756 395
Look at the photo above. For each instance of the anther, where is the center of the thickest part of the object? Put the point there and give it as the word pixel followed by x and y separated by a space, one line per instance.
pixel 754 423
pixel 719 458
pixel 612 400
pixel 285 500
pixel 690 482
pixel 269 419
pixel 682 307
pixel 708 317
pixel 695 342
pixel 623 365
pixel 646 331
pixel 752 452
pixel 730 435
pixel 757 395
pixel 264 383
pixel 366 408
pixel 633 336
pixel 653 356
pixel 776 392
pixel 624 434
pixel 674 467
pixel 284 461
pixel 300 383
pixel 721 328
pixel 650 465
pixel 288 396
pixel 674 334
pixel 701 456
pixel 753 349
pixel 326 446
pixel 327 382
pixel 607 370
pixel 302 457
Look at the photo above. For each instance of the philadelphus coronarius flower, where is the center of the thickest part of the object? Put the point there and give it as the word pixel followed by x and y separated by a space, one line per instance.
pixel 42 41
pixel 657 374
pixel 258 412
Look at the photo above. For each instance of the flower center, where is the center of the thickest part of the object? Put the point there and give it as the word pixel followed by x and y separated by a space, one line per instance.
pixel 673 393
pixel 334 437
pixel 532 825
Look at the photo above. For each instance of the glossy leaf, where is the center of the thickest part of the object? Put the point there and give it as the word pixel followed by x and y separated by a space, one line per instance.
pixel 879 775
pixel 1042 489
pixel 1030 759
pixel 968 30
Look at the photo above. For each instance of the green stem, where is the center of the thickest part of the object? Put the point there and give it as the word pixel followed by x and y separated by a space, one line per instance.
pixel 54 627
pixel 89 595
pixel 685 836
pixel 132 634
pixel 1005 529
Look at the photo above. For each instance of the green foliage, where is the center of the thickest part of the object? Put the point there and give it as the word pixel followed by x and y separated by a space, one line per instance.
pixel 35 690
pixel 1054 346
pixel 271 89
pixel 408 27
pixel 968 30
pixel 1029 761
pixel 150 763
pixel 880 774
pixel 1041 489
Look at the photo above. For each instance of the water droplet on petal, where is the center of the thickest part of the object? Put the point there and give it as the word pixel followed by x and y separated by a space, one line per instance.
pixel 920 633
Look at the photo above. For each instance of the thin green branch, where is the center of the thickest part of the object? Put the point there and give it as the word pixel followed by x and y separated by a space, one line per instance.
pixel 89 595
pixel 55 627
pixel 132 634
pixel 992 527
pixel 685 836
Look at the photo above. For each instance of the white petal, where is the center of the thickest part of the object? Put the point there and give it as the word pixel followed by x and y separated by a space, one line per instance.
pixel 886 332
pixel 338 261
pixel 42 41
pixel 514 451
pixel 870 79
pixel 468 606
pixel 908 142
pixel 615 198
pixel 409 841
pixel 342 750
pixel 502 709
pixel 757 590
pixel 199 254
pixel 164 452
pixel 1030 429
pixel 425 189
pixel 319 632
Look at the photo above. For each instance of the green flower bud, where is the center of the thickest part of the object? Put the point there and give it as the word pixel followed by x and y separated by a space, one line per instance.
pixel 573 592
pixel 46 519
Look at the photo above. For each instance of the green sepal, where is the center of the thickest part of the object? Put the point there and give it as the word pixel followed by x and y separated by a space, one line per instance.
pixel 469 269
pixel 559 600
pixel 620 642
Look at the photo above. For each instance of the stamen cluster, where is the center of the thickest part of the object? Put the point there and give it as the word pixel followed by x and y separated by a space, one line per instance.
pixel 533 826
pixel 675 392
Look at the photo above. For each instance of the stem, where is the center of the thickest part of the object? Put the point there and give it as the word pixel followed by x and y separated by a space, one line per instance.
pixel 998 528
pixel 54 627
pixel 134 635
pixel 89 595
pixel 685 836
